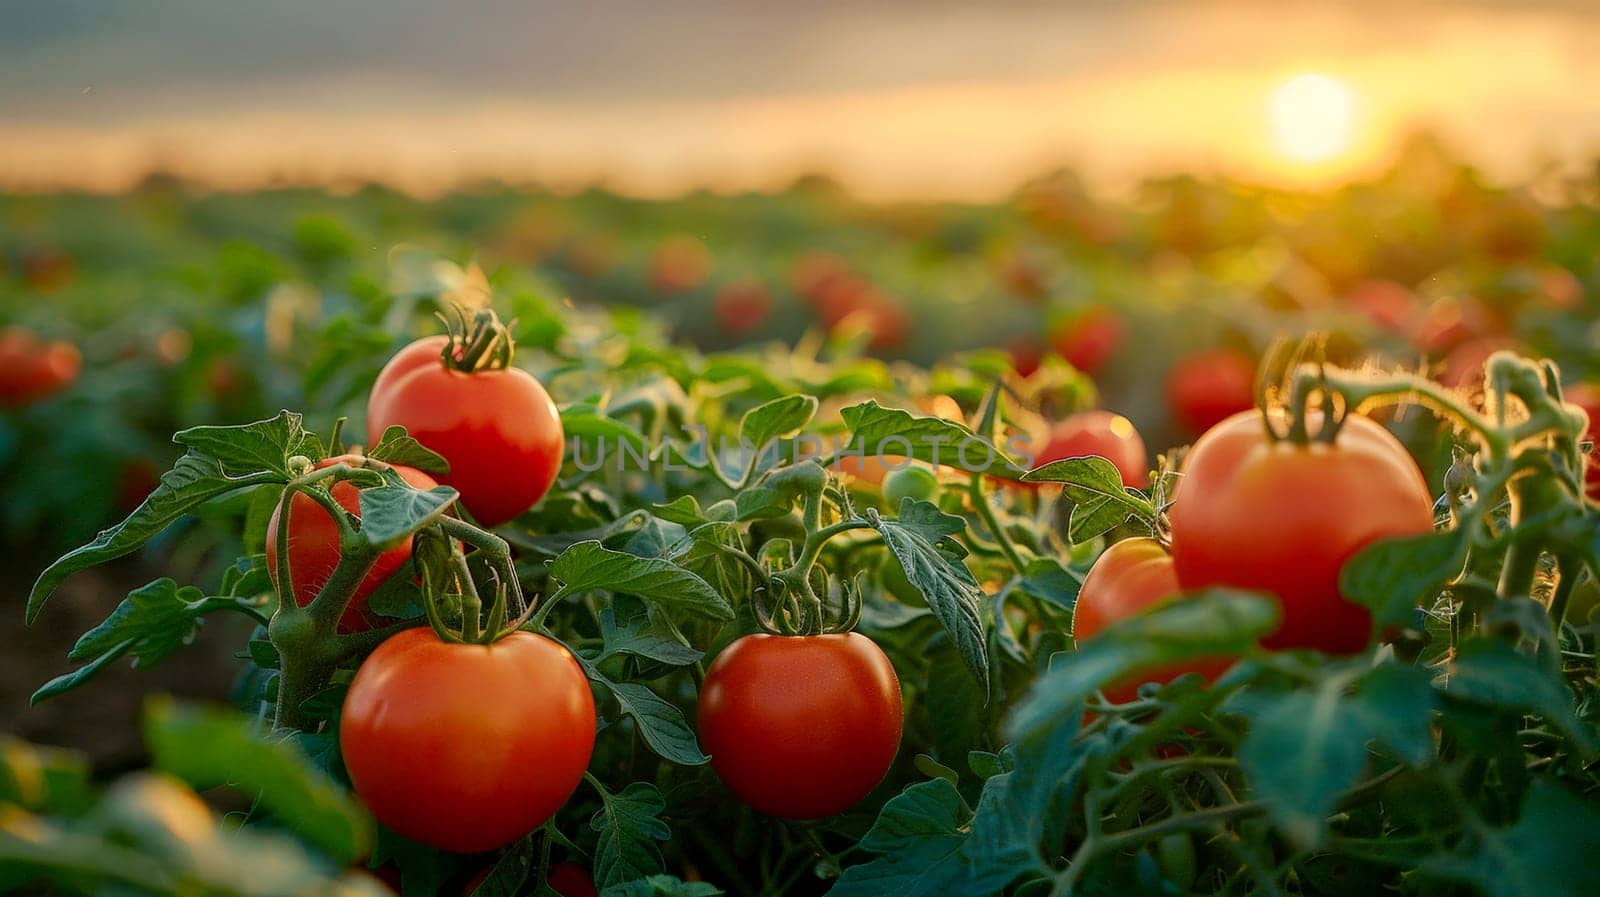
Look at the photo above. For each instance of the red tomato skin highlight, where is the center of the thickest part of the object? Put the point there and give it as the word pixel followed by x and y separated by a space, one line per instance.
pixel 1284 519
pixel 1111 436
pixel 467 747
pixel 801 727
pixel 499 430
pixel 314 544
pixel 1126 579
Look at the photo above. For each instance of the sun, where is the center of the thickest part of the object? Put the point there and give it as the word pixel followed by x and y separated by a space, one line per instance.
pixel 1312 117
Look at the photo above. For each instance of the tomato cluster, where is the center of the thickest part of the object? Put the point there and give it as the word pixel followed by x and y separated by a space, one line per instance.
pixel 1258 512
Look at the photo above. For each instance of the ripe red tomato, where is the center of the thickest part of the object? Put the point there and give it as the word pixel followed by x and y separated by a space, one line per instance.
pixel 314 544
pixel 1282 518
pixel 1204 389
pixel 1127 578
pixel 1587 397
pixel 801 727
pixel 31 370
pixel 1026 356
pixel 679 264
pixel 742 306
pixel 1111 436
pixel 1463 366
pixel 498 429
pixel 1387 304
pixel 467 747
pixel 1089 340
pixel 881 317
pixel 571 880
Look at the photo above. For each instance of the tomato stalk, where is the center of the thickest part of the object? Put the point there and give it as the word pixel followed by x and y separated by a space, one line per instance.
pixel 306 638
pixel 484 344
pixel 1533 461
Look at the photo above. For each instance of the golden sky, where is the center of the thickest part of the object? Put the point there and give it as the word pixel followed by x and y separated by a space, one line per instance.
pixel 897 99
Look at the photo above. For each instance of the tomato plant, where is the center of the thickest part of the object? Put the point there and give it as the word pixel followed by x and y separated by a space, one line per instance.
pixel 313 539
pixel 1255 511
pixel 726 649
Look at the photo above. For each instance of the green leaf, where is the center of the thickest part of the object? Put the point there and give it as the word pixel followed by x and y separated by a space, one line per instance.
pixel 1048 581
pixel 209 747
pixel 877 430
pixel 1393 576
pixel 44 780
pixel 1549 852
pixel 587 566
pixel 1301 754
pixel 920 541
pixel 1210 623
pixel 706 554
pixel 151 623
pixel 629 825
pixel 192 480
pixel 1306 748
pixel 683 510
pixel 395 447
pixel 588 423
pixel 510 871
pixel 1026 802
pixel 917 838
pixel 1494 674
pixel 662 725
pixel 1100 500
pixel 642 635
pixel 265 445
pixel 390 513
pixel 663 886
pixel 779 418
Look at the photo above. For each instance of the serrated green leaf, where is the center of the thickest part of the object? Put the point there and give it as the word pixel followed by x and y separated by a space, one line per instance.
pixel 643 636
pixel 390 513
pixel 917 838
pixel 194 479
pixel 1549 852
pixel 1304 749
pixel 1101 501
pixel 629 825
pixel 661 725
pixel 395 447
pixel 876 430
pixel 920 541
pixel 245 449
pixel 587 566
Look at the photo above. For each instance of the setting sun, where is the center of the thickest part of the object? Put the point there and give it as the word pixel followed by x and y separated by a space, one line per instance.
pixel 1312 116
